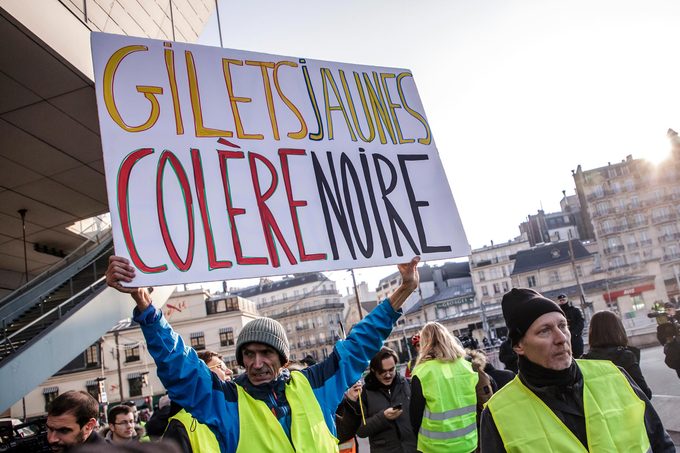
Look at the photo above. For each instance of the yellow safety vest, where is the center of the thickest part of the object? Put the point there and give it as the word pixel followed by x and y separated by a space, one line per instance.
pixel 201 438
pixel 614 415
pixel 450 418
pixel 260 431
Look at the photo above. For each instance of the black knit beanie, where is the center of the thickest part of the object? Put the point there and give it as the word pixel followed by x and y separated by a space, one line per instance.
pixel 523 306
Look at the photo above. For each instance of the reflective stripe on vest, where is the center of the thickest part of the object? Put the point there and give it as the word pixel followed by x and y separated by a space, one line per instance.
pixel 614 415
pixel 260 431
pixel 200 436
pixel 450 418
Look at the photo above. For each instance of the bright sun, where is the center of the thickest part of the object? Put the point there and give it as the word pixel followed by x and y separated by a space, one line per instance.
pixel 658 150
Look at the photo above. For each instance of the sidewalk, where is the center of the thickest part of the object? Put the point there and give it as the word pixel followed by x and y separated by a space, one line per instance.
pixel 667 408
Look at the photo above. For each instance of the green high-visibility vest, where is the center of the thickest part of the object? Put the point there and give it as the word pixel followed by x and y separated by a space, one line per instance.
pixel 260 431
pixel 614 415
pixel 450 417
pixel 200 436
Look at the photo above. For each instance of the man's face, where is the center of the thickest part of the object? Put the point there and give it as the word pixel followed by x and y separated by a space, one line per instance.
pixel 386 374
pixel 64 432
pixel 217 366
pixel 123 427
pixel 562 300
pixel 135 413
pixel 547 342
pixel 670 312
pixel 262 363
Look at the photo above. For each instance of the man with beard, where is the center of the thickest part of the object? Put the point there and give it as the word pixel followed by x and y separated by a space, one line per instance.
pixel 268 408
pixel 71 421
pixel 557 403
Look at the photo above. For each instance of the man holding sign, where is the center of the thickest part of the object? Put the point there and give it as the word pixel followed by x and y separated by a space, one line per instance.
pixel 267 408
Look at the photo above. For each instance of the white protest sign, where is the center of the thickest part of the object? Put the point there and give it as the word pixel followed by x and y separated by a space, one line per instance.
pixel 224 164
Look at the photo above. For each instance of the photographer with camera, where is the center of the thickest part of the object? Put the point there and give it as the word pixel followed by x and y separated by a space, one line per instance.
pixel 668 333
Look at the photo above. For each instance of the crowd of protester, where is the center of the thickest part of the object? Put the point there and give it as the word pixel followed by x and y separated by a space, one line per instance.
pixel 451 397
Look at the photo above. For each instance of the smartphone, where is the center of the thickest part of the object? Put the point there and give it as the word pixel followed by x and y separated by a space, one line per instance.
pixel 397 406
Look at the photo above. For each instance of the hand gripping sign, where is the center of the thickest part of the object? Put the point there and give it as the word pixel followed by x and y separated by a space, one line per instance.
pixel 224 164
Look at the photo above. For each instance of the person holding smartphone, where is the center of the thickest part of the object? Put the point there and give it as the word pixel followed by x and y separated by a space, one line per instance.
pixel 383 406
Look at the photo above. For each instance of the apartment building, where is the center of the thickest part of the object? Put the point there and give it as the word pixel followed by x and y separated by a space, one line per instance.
pixel 445 295
pixel 307 305
pixel 569 267
pixel 121 361
pixel 634 207
pixel 491 268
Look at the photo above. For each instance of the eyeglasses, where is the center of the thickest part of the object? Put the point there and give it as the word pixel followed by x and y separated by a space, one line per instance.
pixel 390 371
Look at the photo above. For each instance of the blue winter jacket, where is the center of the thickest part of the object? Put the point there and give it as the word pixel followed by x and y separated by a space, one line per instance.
pixel 191 384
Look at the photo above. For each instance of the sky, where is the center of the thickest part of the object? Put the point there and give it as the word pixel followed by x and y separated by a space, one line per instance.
pixel 517 93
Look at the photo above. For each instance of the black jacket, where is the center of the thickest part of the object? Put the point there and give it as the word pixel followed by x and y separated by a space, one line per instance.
pixel 576 323
pixel 566 402
pixel 508 356
pixel 386 435
pixel 499 377
pixel 156 425
pixel 627 358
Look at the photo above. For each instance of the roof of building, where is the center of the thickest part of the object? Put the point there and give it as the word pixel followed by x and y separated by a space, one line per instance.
pixel 448 293
pixel 268 287
pixel 553 254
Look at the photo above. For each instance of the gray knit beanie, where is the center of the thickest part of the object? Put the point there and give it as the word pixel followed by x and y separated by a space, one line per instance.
pixel 266 331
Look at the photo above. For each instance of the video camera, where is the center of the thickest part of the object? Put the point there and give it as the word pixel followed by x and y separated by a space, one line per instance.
pixel 659 313
pixel 23 437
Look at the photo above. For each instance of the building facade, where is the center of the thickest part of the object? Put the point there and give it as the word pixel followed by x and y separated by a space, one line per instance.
pixel 307 305
pixel 445 295
pixel 634 208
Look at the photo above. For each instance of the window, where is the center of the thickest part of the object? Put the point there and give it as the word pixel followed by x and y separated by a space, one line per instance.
pixel 638 302
pixel 630 186
pixel 506 287
pixel 531 281
pixel 482 277
pixel 616 262
pixel 602 208
pixel 50 394
pixel 227 336
pixel 485 291
pixel 92 355
pixel 92 388
pixel 579 270
pixel 197 340
pixel 222 305
pixel 496 288
pixel 554 277
pixel 131 352
pixel 135 383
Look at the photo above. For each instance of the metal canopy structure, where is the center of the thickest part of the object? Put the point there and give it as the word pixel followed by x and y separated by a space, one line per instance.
pixel 50 153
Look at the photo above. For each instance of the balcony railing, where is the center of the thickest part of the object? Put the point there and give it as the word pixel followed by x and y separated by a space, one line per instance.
pixel 672 237
pixel 283 300
pixel 315 307
pixel 664 218
pixel 614 249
